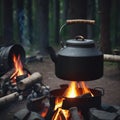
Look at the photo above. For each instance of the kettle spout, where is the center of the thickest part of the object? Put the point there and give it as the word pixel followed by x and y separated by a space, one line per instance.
pixel 52 53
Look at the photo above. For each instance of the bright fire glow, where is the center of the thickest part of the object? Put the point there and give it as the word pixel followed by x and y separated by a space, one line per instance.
pixel 44 112
pixel 72 91
pixel 85 89
pixel 18 67
pixel 58 102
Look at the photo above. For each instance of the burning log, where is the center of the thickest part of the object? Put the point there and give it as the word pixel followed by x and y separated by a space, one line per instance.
pixel 8 98
pixel 86 95
pixel 33 78
pixel 58 115
pixel 80 101
pixel 62 115
pixel 74 113
pixel 112 58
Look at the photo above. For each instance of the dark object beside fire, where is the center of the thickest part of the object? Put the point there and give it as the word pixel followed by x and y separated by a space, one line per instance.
pixel 6 55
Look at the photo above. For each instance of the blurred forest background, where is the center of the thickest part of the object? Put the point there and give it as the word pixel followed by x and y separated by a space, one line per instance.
pixel 35 24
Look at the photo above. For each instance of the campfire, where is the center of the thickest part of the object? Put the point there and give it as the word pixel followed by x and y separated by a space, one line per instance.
pixel 17 82
pixel 72 91
pixel 70 102
pixel 10 80
pixel 19 69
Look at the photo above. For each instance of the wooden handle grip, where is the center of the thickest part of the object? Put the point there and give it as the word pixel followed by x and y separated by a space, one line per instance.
pixel 80 21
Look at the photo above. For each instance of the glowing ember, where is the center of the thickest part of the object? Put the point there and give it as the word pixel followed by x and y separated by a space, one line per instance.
pixel 71 92
pixel 44 112
pixel 18 68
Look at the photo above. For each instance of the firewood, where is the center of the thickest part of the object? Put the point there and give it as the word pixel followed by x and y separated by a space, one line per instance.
pixel 74 113
pixel 62 115
pixel 8 98
pixel 26 82
pixel 111 58
pixel 58 115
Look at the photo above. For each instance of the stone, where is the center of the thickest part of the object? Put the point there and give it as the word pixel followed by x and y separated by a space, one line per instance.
pixel 96 114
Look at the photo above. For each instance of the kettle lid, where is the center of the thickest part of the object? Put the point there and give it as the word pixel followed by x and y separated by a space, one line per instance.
pixel 79 41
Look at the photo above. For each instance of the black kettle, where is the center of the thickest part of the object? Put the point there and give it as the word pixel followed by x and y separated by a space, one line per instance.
pixel 78 60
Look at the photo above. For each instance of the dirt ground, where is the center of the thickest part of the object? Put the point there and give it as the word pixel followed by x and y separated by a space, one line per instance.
pixel 110 82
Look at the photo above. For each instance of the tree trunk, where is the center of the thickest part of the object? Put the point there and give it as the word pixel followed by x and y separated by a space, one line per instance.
pixel 8 22
pixel 56 20
pixel 77 10
pixel 118 24
pixel 96 31
pixel 28 21
pixel 20 19
pixel 90 14
pixel 114 22
pixel 65 10
pixel 105 26
pixel 16 37
pixel 1 23
pixel 42 24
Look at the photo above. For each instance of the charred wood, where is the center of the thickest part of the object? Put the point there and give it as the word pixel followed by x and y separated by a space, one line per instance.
pixel 21 77
pixel 86 95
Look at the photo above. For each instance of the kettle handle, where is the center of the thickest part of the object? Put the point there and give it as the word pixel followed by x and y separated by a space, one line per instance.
pixel 74 21
pixel 80 21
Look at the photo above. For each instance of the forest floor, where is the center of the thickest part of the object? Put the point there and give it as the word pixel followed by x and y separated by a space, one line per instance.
pixel 110 82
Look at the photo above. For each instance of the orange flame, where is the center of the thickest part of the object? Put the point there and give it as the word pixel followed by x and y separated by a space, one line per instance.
pixel 85 89
pixel 58 109
pixel 18 67
pixel 58 102
pixel 44 112
pixel 71 92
